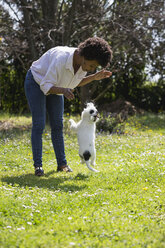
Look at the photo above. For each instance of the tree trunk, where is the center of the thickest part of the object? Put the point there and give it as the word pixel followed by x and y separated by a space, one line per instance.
pixel 28 29
pixel 49 12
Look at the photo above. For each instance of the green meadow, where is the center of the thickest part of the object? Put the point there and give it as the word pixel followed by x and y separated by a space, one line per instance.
pixel 121 206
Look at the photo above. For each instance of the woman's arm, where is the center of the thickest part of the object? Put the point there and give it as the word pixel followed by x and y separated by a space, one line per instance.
pixel 97 76
pixel 59 90
pixel 68 93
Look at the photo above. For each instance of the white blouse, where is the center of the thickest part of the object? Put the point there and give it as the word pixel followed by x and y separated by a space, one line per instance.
pixel 55 68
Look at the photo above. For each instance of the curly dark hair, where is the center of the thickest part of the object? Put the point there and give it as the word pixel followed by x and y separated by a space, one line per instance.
pixel 96 48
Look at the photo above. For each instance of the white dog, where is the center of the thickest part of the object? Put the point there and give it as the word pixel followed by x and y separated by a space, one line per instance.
pixel 85 130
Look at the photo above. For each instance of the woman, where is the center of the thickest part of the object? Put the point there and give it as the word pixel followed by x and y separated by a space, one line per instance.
pixel 54 75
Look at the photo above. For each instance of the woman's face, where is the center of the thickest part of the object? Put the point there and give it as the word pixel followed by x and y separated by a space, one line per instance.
pixel 89 65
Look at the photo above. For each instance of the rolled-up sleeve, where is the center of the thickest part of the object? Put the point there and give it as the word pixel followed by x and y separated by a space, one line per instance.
pixel 51 77
pixel 48 81
pixel 45 87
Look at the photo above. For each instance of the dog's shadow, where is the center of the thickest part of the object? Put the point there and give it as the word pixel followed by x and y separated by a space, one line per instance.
pixel 47 182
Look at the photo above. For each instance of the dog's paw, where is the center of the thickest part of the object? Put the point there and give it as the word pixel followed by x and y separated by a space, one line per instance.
pixel 71 122
pixel 73 125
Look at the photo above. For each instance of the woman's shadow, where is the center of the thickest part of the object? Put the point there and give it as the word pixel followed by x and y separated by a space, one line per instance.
pixel 48 182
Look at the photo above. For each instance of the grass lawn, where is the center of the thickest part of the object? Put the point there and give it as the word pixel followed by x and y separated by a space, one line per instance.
pixel 122 206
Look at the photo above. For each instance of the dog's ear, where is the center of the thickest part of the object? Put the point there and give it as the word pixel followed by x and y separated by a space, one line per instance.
pixel 90 104
pixel 93 103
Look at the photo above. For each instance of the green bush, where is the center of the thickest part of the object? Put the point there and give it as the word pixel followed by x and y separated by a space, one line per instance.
pixel 12 96
pixel 149 98
pixel 111 124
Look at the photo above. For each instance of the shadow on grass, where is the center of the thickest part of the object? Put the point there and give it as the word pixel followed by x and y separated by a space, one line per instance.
pixel 58 183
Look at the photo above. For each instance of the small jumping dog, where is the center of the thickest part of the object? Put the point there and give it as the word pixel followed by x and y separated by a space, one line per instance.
pixel 85 130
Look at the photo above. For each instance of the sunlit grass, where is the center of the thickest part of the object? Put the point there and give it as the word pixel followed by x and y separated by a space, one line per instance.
pixel 122 206
pixel 17 119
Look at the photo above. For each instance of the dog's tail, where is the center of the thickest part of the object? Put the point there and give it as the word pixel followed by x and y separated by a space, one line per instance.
pixel 89 167
pixel 92 169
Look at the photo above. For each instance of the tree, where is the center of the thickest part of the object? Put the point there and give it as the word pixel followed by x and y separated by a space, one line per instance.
pixel 134 29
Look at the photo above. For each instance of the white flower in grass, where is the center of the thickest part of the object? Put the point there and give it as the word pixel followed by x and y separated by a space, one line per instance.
pixel 72 243
pixel 69 218
pixel 29 223
pixel 105 203
pixel 21 228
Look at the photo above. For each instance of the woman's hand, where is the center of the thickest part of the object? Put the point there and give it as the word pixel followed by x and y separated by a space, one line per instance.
pixel 102 74
pixel 68 93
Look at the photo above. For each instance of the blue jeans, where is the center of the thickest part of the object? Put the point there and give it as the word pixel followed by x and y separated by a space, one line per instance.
pixel 39 103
